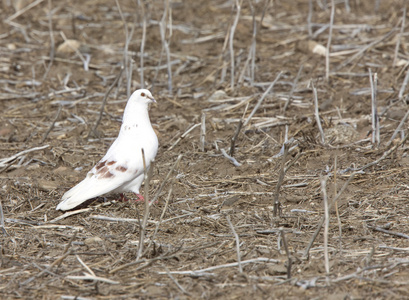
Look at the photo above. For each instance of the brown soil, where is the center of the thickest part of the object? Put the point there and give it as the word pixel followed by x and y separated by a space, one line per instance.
pixel 50 101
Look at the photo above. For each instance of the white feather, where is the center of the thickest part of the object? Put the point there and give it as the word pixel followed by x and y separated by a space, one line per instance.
pixel 121 169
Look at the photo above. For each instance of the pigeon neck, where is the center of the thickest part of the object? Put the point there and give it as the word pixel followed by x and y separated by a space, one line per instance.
pixel 135 114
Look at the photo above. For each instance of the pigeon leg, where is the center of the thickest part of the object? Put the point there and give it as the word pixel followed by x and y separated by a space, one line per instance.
pixel 123 198
pixel 140 197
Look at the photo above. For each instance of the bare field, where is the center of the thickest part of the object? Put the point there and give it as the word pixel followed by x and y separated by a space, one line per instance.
pixel 213 233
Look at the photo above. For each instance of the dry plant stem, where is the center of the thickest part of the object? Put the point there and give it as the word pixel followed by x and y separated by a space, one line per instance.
pixel 147 263
pixel 375 116
pixel 241 77
pixel 52 124
pixel 402 28
pixel 163 212
pixel 256 28
pixel 203 133
pixel 395 133
pixel 148 174
pixel 165 44
pixel 231 39
pixel 58 261
pixel 384 155
pixel 67 247
pixel 294 160
pixel 166 178
pixel 288 102
pixel 329 40
pixel 23 10
pixel 326 222
pixel 370 268
pixel 142 5
pixel 347 6
pixel 363 49
pixel 183 136
pixel 369 257
pixel 287 252
pixel 6 162
pixel 110 219
pixel 277 204
pixel 232 159
pixel 69 214
pixel 236 237
pixel 2 226
pixel 85 62
pixel 244 262
pixel 236 134
pixel 398 234
pixel 104 101
pixel 84 265
pixel 250 56
pixel 234 138
pixel 176 282
pixel 253 61
pixel 262 98
pixel 131 62
pixel 129 78
pixel 128 70
pixel 317 114
pixel 52 42
pixel 309 18
pixel 93 278
pixel 336 204
pixel 222 57
pixel 317 231
pixel 393 248
pixel 166 202
pixel 404 84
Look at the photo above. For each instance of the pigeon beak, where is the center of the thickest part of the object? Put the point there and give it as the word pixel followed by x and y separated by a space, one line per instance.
pixel 152 99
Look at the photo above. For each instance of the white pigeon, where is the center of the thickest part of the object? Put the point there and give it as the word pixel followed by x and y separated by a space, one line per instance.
pixel 121 169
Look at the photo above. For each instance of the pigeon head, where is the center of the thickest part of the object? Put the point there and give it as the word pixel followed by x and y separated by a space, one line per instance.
pixel 142 96
pixel 137 107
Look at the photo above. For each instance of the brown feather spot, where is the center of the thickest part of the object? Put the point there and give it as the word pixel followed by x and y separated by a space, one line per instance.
pixel 110 163
pixel 104 173
pixel 100 165
pixel 121 168
pixel 103 170
pixel 107 175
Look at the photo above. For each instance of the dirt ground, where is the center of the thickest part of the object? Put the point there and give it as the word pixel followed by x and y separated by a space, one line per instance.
pixel 213 233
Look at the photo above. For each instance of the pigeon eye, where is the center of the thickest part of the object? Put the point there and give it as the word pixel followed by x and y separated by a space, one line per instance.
pixel 143 94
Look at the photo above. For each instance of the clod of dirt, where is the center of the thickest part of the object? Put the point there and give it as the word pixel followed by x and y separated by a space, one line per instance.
pixel 95 240
pixel 218 95
pixel 311 47
pixel 69 47
pixel 341 134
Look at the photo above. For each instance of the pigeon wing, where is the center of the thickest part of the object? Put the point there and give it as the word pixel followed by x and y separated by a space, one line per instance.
pixel 106 176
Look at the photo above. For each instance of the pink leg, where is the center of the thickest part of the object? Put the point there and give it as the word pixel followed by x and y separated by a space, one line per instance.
pixel 123 198
pixel 140 197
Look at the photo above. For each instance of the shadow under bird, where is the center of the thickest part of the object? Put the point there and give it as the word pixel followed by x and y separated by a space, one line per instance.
pixel 122 168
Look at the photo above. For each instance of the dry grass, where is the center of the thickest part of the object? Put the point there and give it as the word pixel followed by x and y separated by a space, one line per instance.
pixel 243 223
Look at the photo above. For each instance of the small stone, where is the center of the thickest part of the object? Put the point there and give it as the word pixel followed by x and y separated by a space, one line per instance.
pixel 93 240
pixel 218 95
pixel 47 185
pixel 68 47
